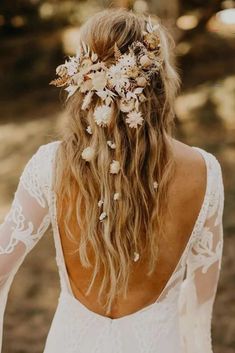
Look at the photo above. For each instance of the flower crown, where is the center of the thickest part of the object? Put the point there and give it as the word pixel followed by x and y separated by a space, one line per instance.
pixel 124 81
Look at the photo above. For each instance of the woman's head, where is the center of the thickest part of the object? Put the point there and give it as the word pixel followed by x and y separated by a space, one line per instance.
pixel 118 211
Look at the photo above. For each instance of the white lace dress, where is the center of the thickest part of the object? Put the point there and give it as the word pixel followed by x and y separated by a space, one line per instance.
pixel 179 321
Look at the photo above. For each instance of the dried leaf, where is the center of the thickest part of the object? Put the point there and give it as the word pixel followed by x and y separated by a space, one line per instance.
pixel 59 82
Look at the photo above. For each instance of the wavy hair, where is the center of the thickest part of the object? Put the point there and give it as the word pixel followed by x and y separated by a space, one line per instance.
pixel 134 222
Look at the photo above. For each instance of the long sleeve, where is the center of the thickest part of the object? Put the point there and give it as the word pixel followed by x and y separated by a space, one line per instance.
pixel 203 269
pixel 23 226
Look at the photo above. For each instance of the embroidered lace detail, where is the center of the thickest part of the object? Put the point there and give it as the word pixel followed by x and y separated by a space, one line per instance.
pixel 31 180
pixel 21 230
pixel 203 255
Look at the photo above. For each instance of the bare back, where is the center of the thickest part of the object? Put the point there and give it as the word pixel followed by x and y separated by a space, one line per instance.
pixel 186 194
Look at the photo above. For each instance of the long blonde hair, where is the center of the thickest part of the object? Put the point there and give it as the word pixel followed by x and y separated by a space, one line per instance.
pixel 136 220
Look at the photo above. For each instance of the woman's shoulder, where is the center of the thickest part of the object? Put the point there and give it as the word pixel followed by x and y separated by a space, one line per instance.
pixel 195 157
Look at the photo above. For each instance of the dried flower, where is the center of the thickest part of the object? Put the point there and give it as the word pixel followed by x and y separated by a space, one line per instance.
pixel 71 66
pixel 145 61
pixel 88 153
pixel 88 129
pixel 126 105
pixel 114 167
pixel 141 81
pixel 103 215
pixel 116 196
pixel 103 115
pixel 134 119
pixel 127 60
pixel 117 78
pixel 136 256
pixel 155 184
pixel 111 144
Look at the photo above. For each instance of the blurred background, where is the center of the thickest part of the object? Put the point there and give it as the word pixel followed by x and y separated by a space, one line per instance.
pixel 36 36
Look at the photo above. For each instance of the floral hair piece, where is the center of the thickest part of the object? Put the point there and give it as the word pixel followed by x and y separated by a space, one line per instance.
pixel 123 81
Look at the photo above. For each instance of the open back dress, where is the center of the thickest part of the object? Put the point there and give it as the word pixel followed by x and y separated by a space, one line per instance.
pixel 179 321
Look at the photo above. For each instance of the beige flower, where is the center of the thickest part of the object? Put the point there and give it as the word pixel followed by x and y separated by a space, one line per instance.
pixel 132 72
pixel 103 115
pixel 88 153
pixel 141 81
pixel 134 119
pixel 99 80
pixel 114 167
pixel 145 61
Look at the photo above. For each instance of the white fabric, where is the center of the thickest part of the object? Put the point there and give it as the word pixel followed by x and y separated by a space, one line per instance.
pixel 178 322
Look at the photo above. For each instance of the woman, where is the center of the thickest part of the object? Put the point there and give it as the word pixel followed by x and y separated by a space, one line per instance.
pixel 136 215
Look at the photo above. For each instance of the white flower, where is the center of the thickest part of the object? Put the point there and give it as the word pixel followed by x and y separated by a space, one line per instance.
pixel 127 60
pixel 88 129
pixel 71 65
pixel 87 100
pixel 136 256
pixel 134 118
pixel 117 78
pixel 100 203
pixel 155 184
pixel 116 196
pixel 103 215
pixel 111 144
pixel 102 115
pixel 88 153
pixel 114 167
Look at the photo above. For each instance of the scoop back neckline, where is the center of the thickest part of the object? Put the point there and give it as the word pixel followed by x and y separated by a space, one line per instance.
pixel 196 228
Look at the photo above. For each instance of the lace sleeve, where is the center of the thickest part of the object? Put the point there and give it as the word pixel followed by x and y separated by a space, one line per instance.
pixel 25 223
pixel 203 269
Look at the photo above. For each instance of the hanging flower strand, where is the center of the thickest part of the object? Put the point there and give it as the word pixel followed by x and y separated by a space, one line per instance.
pixel 124 81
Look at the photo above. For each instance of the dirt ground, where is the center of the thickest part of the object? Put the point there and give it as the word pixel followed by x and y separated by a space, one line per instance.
pixel 205 118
